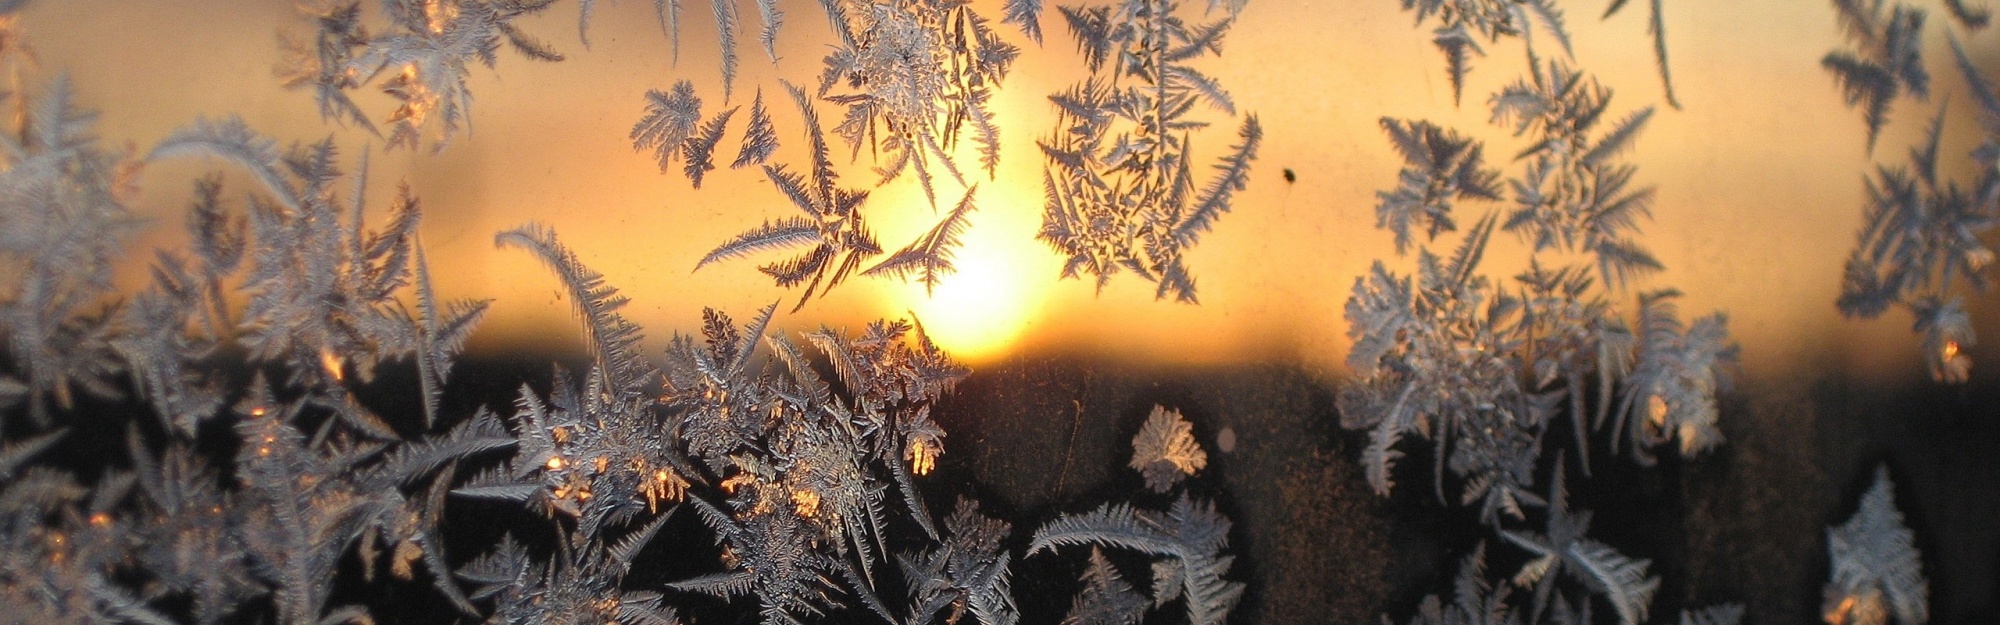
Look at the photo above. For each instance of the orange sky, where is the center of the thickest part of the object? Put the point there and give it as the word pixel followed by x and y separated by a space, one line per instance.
pixel 1759 177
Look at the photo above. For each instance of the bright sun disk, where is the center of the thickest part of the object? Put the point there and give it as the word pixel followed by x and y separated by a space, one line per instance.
pixel 984 306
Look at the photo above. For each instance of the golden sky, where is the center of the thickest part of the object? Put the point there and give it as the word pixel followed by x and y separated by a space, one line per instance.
pixel 1759 177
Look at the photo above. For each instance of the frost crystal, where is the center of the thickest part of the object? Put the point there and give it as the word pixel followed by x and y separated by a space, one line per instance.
pixel 1877 572
pixel 1119 184
pixel 1165 451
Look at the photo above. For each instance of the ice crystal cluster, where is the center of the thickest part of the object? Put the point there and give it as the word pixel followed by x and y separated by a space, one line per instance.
pixel 1920 243
pixel 318 475
pixel 1484 367
pixel 914 77
pixel 298 454
pixel 801 458
pixel 1186 540
pixel 1119 177
pixel 911 78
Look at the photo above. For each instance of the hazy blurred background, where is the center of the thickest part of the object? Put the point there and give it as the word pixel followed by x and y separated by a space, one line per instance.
pixel 1759 177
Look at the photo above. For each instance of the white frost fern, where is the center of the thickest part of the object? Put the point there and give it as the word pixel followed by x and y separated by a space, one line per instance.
pixel 1877 570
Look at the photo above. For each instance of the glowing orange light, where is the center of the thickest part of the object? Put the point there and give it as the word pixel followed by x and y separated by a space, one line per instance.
pixel 331 362
pixel 555 463
pixel 923 454
pixel 1838 615
pixel 438 15
pixel 737 481
pixel 805 502
pixel 998 283
pixel 1978 258
pixel 406 555
pixel 665 485
pixel 1656 412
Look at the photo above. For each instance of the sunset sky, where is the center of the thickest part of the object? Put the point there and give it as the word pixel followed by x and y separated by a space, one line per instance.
pixel 1759 177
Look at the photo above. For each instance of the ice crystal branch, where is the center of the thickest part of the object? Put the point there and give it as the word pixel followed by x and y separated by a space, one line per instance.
pixel 183 318
pixel 760 139
pixel 670 121
pixel 929 257
pixel 968 573
pixel 832 222
pixel 1656 25
pixel 1920 238
pixel 1886 62
pixel 1574 196
pixel 580 584
pixel 700 149
pixel 1562 550
pixel 421 60
pixel 323 288
pixel 1437 357
pixel 1462 23
pixel 1165 451
pixel 1107 599
pixel 324 64
pixel 833 227
pixel 611 337
pixel 1678 374
pixel 1439 167
pixel 1474 600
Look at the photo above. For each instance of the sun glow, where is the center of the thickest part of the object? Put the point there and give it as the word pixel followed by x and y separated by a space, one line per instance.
pixel 980 309
pixel 997 291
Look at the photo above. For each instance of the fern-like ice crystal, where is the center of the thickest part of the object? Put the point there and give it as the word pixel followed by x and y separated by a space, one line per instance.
pixel 915 75
pixel 1483 367
pixel 1887 60
pixel 1121 192
pixel 1877 573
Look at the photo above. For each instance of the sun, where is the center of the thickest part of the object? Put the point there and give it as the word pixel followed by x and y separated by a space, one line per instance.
pixel 994 295
pixel 980 310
